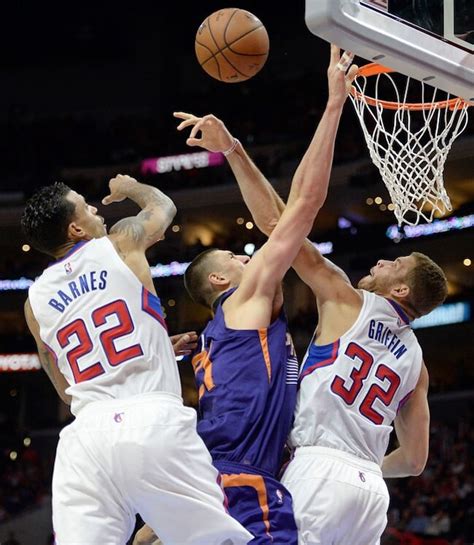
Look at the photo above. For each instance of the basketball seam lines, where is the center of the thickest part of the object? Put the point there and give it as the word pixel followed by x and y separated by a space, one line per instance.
pixel 225 41
pixel 212 36
pixel 236 69
pixel 210 51
pixel 228 46
pixel 228 23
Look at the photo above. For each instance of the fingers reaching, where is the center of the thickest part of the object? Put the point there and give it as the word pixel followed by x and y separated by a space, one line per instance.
pixel 188 120
pixel 352 73
pixel 345 61
pixel 335 54
pixel 196 128
pixel 184 343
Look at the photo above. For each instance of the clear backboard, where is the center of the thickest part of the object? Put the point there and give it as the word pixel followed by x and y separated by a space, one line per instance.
pixel 430 40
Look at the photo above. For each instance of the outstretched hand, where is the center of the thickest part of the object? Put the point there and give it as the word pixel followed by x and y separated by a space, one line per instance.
pixel 214 134
pixel 184 343
pixel 341 74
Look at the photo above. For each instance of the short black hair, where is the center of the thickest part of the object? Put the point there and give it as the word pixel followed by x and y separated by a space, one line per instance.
pixel 195 278
pixel 46 217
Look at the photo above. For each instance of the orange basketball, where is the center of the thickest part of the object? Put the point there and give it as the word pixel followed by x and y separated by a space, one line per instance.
pixel 232 45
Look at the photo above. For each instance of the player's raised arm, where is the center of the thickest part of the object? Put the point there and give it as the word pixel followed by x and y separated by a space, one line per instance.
pixel 412 425
pixel 259 195
pixel 307 195
pixel 46 358
pixel 149 225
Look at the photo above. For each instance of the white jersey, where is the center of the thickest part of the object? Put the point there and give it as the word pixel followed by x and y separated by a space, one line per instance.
pixel 350 391
pixel 104 328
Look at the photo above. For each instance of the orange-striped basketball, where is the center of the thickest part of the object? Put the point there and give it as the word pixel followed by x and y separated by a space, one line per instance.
pixel 232 45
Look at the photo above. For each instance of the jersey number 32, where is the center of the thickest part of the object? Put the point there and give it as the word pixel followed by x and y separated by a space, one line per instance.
pixel 358 376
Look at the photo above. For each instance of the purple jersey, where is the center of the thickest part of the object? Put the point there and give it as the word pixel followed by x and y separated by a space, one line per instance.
pixel 247 383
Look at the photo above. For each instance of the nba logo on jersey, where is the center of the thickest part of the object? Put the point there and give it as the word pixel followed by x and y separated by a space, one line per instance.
pixel 68 268
pixel 279 494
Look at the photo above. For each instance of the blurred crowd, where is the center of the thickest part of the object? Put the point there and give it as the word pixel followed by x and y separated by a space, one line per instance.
pixel 436 508
pixel 25 481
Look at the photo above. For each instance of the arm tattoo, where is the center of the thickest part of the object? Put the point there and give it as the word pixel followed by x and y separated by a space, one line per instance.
pixel 144 195
pixel 132 228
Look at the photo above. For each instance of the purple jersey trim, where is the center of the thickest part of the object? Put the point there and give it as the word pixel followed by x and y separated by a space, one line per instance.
pixel 398 309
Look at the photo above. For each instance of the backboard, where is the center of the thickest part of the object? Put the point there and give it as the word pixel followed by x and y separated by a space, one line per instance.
pixel 430 40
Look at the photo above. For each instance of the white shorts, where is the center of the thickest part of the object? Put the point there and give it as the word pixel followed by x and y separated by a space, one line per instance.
pixel 338 499
pixel 138 455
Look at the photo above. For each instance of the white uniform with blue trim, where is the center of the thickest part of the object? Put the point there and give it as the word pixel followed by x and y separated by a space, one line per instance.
pixel 133 447
pixel 350 392
pixel 106 330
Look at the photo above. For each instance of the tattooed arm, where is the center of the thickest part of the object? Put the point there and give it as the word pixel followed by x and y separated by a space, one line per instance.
pixel 46 358
pixel 146 228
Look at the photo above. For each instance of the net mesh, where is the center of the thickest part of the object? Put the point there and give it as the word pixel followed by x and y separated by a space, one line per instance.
pixel 409 142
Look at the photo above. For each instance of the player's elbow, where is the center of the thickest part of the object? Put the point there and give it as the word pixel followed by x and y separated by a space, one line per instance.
pixel 267 226
pixel 170 210
pixel 65 398
pixel 307 210
pixel 315 191
pixel 167 213
pixel 417 462
pixel 416 469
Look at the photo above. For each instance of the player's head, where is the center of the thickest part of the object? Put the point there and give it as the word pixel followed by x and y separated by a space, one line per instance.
pixel 56 215
pixel 414 280
pixel 212 272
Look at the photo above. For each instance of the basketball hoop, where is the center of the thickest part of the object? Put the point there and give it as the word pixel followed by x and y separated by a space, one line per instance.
pixel 408 141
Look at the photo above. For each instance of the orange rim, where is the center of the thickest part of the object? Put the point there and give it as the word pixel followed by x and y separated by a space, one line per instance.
pixel 374 69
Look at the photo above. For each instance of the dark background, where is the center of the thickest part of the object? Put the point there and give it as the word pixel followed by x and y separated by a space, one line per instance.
pixel 88 91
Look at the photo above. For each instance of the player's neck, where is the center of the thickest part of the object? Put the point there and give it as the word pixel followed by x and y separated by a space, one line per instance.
pixel 406 307
pixel 215 303
pixel 65 248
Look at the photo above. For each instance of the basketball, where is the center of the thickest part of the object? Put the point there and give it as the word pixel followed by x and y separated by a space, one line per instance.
pixel 232 45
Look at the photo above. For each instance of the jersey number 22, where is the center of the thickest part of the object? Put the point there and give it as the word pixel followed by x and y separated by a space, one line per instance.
pixel 107 338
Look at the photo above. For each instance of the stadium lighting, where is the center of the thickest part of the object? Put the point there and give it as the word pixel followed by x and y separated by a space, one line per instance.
pixel 160 270
pixel 454 223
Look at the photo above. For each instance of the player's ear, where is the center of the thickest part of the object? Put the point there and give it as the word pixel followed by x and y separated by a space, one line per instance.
pixel 217 279
pixel 75 232
pixel 400 291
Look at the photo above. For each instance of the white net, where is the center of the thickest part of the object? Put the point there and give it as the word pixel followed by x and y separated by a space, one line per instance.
pixel 409 142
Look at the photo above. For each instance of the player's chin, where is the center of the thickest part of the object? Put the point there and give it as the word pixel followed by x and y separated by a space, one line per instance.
pixel 365 283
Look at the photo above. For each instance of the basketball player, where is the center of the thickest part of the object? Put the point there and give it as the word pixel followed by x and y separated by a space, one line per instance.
pixel 245 365
pixel 102 339
pixel 362 371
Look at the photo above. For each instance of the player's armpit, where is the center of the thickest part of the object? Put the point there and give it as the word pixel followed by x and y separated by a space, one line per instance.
pixel 47 360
